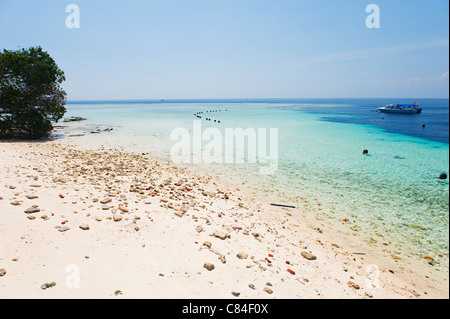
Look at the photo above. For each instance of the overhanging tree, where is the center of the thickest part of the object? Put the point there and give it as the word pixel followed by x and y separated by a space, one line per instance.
pixel 31 96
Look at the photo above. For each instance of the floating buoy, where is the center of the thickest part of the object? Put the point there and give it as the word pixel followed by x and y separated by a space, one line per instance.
pixel 365 152
pixel 443 176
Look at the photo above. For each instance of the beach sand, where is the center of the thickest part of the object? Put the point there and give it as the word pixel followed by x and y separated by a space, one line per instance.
pixel 107 224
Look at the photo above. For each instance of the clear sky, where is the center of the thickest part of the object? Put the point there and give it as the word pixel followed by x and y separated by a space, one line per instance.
pixel 163 49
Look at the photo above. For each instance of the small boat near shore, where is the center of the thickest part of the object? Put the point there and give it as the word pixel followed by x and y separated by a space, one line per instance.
pixel 401 108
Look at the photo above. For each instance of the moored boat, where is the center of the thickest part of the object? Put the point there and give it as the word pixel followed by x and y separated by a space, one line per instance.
pixel 401 108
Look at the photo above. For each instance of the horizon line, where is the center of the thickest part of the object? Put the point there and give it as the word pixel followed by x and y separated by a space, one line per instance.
pixel 233 99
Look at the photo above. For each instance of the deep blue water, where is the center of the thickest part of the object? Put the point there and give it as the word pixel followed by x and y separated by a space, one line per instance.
pixel 435 116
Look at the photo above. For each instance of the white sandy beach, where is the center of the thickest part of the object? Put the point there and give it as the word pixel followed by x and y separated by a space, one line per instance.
pixel 113 225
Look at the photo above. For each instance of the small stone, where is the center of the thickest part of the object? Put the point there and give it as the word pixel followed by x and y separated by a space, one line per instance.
pixel 106 201
pixel 207 244
pixel 117 218
pixel 184 208
pixel 223 259
pixel 353 285
pixel 105 207
pixel 252 286
pixel 208 266
pixel 268 290
pixel 62 228
pixel 242 255
pixel 199 229
pixel 33 209
pixel 48 285
pixel 118 292
pixel 235 293
pixel 123 209
pixel 31 196
pixel 31 217
pixel 179 214
pixel 414 293
pixel 16 203
pixel 308 256
pixel 2 272
pixel 84 226
pixel 220 235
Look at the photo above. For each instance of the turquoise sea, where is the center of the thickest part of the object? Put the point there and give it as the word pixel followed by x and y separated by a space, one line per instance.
pixel 392 194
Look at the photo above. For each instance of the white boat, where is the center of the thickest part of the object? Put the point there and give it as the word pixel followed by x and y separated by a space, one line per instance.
pixel 401 108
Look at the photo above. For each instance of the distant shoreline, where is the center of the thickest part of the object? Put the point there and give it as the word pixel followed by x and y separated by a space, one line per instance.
pixel 235 100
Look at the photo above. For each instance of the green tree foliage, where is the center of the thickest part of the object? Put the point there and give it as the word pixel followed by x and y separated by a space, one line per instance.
pixel 31 96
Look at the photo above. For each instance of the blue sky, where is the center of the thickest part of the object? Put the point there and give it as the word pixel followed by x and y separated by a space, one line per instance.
pixel 163 49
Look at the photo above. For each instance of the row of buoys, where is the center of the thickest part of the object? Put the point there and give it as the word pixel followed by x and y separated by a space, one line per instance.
pixel 197 115
pixel 442 176
pixel 211 111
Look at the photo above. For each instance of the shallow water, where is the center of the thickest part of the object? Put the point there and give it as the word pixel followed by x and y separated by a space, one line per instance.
pixel 391 195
